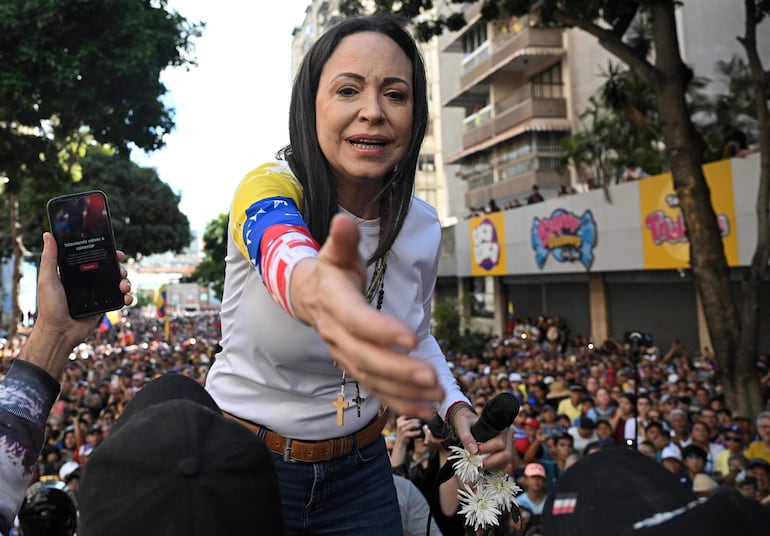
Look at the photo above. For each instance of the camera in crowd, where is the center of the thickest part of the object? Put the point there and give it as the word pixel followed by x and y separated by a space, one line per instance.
pixel 435 425
pixel 637 339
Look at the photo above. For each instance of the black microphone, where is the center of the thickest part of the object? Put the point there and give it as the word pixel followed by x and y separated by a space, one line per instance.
pixel 497 415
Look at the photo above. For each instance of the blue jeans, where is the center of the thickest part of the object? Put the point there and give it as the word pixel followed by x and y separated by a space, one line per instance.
pixel 353 495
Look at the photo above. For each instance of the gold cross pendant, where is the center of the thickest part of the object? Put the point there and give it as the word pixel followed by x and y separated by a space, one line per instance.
pixel 340 403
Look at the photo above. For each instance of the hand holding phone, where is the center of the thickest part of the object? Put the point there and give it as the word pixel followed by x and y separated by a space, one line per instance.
pixel 87 258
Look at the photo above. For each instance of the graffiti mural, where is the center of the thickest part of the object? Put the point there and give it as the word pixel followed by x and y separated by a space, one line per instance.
pixel 565 236
pixel 488 245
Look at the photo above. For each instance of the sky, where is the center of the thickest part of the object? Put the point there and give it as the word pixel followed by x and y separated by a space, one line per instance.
pixel 232 110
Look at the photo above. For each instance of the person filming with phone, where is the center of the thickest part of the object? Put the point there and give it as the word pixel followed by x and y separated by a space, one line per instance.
pixel 412 455
pixel 29 390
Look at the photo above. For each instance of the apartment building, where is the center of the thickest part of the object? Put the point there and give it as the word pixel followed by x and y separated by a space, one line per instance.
pixel 603 265
pixel 512 91
pixel 522 86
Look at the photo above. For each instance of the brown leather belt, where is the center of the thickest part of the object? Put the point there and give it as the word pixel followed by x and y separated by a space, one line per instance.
pixel 316 451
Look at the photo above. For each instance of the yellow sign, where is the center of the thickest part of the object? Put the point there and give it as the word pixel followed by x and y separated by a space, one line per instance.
pixel 487 234
pixel 664 235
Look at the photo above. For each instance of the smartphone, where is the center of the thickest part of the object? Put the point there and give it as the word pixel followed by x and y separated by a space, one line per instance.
pixel 88 263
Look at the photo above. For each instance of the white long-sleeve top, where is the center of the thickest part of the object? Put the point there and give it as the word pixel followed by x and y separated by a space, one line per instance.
pixel 277 372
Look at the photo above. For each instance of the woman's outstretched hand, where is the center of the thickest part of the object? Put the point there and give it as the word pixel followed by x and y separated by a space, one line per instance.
pixel 327 293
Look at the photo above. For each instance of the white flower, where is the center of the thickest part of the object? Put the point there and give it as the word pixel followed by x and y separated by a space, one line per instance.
pixel 479 508
pixel 502 487
pixel 468 466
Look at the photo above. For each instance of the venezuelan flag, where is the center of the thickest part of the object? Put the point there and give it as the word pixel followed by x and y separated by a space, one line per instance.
pixel 109 319
pixel 161 300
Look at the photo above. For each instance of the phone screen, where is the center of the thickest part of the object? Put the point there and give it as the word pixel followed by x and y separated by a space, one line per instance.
pixel 88 265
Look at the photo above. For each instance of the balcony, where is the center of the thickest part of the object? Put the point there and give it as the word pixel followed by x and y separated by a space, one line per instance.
pixel 478 127
pixel 529 50
pixel 519 112
pixel 514 110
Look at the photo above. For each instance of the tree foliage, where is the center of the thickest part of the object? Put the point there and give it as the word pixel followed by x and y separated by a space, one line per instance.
pixel 425 28
pixel 74 70
pixel 621 123
pixel 448 327
pixel 212 268
pixel 734 108
pixel 70 64
pixel 145 211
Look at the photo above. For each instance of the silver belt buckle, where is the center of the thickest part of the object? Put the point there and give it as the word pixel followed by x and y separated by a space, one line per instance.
pixel 287 450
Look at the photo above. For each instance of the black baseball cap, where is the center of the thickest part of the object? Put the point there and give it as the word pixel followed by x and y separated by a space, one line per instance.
pixel 606 492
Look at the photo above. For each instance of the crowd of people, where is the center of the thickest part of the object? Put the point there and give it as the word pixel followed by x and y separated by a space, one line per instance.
pixel 105 373
pixel 317 398
pixel 576 398
pixel 534 197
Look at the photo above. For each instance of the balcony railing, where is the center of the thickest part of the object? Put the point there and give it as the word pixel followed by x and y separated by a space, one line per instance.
pixel 500 52
pixel 509 112
pixel 527 109
pixel 540 38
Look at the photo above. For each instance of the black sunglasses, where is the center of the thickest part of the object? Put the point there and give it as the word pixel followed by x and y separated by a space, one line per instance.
pixel 732 438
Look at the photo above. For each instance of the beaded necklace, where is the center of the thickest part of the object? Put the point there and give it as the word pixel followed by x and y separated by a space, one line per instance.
pixel 376 287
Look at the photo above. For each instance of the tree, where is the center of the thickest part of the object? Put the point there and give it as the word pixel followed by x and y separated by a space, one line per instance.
pixel 425 27
pixel 448 328
pixel 145 211
pixel 743 368
pixel 620 124
pixel 212 268
pixel 74 70
pixel 731 111
pixel 669 78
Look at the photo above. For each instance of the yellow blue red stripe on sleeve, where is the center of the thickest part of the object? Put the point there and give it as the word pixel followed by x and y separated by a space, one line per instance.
pixel 269 195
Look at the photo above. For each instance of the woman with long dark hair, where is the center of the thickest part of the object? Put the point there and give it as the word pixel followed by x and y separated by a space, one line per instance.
pixel 330 270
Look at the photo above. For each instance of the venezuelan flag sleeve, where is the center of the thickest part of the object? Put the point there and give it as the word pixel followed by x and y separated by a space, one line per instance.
pixel 268 229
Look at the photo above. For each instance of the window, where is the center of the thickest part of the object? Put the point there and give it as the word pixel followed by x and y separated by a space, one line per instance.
pixel 548 84
pixel 518 147
pixel 549 142
pixel 480 181
pixel 474 38
pixel 426 162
